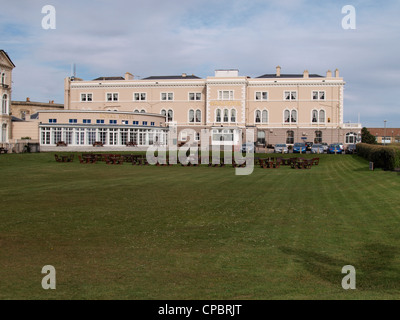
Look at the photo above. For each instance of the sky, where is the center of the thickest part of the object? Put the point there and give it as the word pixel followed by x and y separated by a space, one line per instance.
pixel 171 37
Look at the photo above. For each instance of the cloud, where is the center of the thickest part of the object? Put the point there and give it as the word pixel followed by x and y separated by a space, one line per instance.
pixel 155 37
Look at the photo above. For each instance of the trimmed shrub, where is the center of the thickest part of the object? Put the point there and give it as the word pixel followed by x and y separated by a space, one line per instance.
pixel 385 157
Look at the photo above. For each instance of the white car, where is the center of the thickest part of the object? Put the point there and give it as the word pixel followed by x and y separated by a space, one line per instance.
pixel 279 148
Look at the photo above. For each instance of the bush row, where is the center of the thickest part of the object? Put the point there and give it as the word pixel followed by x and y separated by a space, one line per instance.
pixel 385 157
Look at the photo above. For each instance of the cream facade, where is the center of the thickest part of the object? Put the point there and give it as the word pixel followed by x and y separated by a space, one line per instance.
pixel 281 108
pixel 6 68
pixel 25 109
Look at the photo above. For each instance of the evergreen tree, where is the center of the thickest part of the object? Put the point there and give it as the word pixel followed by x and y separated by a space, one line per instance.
pixel 367 137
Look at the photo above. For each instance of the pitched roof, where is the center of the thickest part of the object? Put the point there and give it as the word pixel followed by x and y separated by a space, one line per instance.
pixel 109 78
pixel 181 77
pixel 288 76
pixel 380 132
pixel 5 53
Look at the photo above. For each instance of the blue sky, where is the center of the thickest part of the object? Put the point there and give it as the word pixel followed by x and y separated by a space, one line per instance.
pixel 154 37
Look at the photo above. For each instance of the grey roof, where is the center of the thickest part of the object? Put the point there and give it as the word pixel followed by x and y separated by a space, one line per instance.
pixel 181 77
pixel 109 78
pixel 289 76
pixel 15 119
pixel 35 116
pixel 6 54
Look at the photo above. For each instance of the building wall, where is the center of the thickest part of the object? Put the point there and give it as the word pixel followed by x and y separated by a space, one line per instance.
pixel 240 102
pixel 24 109
pixel 25 129
pixel 6 67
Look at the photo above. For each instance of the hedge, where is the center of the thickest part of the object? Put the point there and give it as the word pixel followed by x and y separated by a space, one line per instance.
pixel 385 157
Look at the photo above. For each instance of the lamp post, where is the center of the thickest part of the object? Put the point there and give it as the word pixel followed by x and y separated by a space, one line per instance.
pixel 384 132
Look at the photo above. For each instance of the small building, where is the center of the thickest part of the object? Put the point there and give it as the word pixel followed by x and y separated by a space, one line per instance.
pixel 386 135
pixel 85 129
pixel 24 109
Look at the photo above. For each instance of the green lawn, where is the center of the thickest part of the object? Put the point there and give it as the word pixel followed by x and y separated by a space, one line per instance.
pixel 130 232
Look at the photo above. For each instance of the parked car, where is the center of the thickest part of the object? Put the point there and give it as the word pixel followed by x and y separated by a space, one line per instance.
pixel 279 148
pixel 248 147
pixel 340 145
pixel 335 148
pixel 317 148
pixel 299 147
pixel 309 145
pixel 325 146
pixel 351 148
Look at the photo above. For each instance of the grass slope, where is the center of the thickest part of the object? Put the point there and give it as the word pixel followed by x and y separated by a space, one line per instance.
pixel 129 232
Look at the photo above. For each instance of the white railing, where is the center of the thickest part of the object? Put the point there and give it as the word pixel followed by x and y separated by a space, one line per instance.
pixel 352 125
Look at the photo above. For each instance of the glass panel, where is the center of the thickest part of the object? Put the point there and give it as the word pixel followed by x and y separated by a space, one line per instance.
pixel 218 117
pixel 287 115
pixel 265 95
pixel 294 116
pixel 198 116
pixel 191 116
pixel 233 115
pixel 265 116
pixel 314 115
pixel 226 115
pixel 170 115
pixel 321 116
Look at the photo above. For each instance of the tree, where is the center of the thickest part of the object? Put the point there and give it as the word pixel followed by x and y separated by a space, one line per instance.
pixel 367 137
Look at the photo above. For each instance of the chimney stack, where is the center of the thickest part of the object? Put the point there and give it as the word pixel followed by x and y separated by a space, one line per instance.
pixel 337 73
pixel 278 71
pixel 305 74
pixel 329 74
pixel 184 75
pixel 28 99
pixel 128 76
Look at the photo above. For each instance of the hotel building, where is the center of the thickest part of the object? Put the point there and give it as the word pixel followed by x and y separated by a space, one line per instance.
pixel 121 111
pixel 280 108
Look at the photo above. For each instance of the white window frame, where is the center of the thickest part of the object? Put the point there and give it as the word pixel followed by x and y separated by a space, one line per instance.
pixel 112 96
pixel 184 135
pixel 220 115
pixel 318 116
pixel 230 94
pixel 255 116
pixel 190 111
pixel 290 95
pixel 86 95
pixel 140 96
pixel 195 116
pixel 195 96
pixel 290 115
pixel 318 92
pixel 262 111
pixel 230 115
pixel 169 96
pixel 261 95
